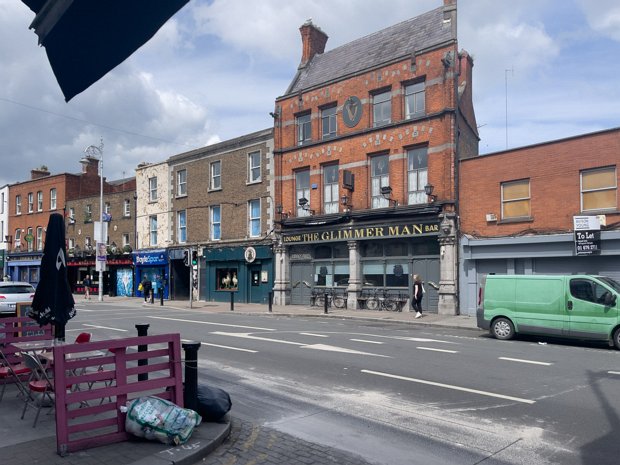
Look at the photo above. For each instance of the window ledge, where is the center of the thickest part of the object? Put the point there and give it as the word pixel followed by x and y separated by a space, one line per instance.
pixel 217 189
pixel 523 219
pixel 249 183
pixel 601 212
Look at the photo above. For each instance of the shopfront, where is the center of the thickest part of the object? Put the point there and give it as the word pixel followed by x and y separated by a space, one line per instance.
pixel 360 262
pixel 245 271
pixel 151 264
pixel 24 266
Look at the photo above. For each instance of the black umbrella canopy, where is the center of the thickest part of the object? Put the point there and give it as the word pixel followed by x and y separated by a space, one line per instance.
pixel 53 301
pixel 85 39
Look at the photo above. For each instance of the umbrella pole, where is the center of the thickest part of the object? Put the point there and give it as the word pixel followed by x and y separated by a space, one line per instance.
pixel 59 332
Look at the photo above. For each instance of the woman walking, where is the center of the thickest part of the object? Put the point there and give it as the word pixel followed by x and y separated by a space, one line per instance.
pixel 418 293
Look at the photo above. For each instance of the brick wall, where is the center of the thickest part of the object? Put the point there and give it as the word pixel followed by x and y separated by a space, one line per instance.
pixel 553 169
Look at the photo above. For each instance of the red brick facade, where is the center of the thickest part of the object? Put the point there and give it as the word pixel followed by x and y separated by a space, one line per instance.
pixel 553 169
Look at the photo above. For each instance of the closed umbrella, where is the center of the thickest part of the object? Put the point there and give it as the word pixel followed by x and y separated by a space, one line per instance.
pixel 53 301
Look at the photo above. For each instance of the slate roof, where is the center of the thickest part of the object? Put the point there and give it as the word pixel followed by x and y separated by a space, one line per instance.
pixel 398 41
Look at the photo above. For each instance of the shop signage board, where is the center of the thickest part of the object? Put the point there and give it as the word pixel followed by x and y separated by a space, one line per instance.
pixel 587 230
pixel 363 232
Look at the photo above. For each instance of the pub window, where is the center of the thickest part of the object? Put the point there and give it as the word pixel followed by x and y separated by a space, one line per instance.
pixel 322 251
pixel 372 272
pixel 380 177
pixel 340 251
pixel 302 191
pixel 304 128
pixel 226 279
pixel 382 108
pixel 396 249
pixel 397 273
pixel 330 189
pixel 417 175
pixel 371 249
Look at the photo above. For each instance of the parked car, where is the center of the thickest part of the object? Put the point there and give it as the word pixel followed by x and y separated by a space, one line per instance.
pixel 12 292
pixel 575 306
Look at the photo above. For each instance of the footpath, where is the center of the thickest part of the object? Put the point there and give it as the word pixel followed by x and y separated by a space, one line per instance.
pixel 21 444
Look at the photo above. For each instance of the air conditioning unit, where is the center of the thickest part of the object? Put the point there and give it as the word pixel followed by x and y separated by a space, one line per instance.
pixel 491 217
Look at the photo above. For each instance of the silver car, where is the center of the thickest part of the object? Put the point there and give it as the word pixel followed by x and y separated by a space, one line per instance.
pixel 12 292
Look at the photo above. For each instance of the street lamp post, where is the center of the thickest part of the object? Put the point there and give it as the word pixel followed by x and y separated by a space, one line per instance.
pixel 97 152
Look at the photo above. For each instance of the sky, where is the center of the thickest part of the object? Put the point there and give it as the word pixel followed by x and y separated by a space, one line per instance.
pixel 543 70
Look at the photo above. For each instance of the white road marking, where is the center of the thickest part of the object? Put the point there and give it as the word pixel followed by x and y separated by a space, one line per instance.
pixel 315 335
pixel 105 327
pixel 421 339
pixel 524 361
pixel 257 338
pixel 449 386
pixel 300 344
pixel 228 347
pixel 614 372
pixel 341 349
pixel 438 350
pixel 210 323
pixel 368 342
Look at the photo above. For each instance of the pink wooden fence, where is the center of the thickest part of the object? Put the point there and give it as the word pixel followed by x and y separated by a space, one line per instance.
pixel 99 383
pixel 20 329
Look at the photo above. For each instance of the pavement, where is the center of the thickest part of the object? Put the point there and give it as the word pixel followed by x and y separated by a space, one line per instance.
pixel 21 444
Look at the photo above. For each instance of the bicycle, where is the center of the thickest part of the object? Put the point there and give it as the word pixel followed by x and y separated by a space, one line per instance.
pixel 381 299
pixel 333 297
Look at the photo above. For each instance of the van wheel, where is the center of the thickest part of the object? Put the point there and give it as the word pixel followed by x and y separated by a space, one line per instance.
pixel 503 329
pixel 617 339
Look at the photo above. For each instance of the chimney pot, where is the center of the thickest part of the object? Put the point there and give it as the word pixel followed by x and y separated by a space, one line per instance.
pixel 313 41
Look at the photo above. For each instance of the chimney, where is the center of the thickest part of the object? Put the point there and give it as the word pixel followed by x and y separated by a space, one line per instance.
pixel 39 173
pixel 449 16
pixel 90 166
pixel 313 41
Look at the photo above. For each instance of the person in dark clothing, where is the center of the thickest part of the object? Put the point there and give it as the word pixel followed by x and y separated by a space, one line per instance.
pixel 146 288
pixel 418 294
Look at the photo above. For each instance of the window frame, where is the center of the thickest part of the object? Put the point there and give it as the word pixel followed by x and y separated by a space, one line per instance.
pixel 53 199
pixel 417 196
pixel 182 226
pixel 303 127
pixel 182 183
pixel 302 191
pixel 30 202
pixel 518 199
pixel 213 223
pixel 331 204
pixel 30 244
pixel 153 230
pixel 127 208
pixel 254 220
pixel 376 198
pixel 252 167
pixel 381 100
pixel 215 178
pixel 39 201
pixel 583 191
pixel 153 189
pixel 126 239
pixel 329 118
pixel 18 204
pixel 412 96
pixel 88 213
pixel 39 238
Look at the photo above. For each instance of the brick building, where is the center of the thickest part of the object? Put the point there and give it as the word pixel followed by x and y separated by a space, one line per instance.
pixel 222 209
pixel 30 204
pixel 119 220
pixel 518 209
pixel 366 141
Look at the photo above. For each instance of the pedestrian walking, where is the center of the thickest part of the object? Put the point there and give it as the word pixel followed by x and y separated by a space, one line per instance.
pixel 146 288
pixel 87 283
pixel 418 294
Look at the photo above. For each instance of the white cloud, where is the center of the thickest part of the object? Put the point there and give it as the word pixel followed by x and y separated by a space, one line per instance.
pixel 603 16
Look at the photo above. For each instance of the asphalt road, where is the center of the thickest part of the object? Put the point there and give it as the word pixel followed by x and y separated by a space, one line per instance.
pixel 393 393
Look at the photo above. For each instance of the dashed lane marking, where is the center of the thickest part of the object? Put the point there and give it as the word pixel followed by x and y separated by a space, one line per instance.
pixel 531 362
pixel 211 323
pixel 366 341
pixel 438 350
pixel 314 335
pixel 105 327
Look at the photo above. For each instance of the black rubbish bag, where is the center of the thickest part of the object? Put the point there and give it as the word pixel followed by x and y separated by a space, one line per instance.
pixel 213 403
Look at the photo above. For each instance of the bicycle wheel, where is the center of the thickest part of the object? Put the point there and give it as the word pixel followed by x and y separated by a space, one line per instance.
pixel 339 302
pixel 320 301
pixel 372 303
pixel 390 305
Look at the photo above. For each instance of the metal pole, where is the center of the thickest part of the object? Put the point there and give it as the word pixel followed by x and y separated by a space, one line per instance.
pixel 270 301
pixel 232 301
pixel 190 391
pixel 325 303
pixel 142 331
pixel 190 253
pixel 101 265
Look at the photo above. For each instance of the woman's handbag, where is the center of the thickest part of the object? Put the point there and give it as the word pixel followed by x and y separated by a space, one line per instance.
pixel 140 287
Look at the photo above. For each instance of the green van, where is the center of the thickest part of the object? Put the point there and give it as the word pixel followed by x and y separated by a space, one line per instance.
pixel 575 306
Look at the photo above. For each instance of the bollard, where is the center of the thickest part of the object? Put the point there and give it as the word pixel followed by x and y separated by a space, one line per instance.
pixel 161 297
pixel 232 301
pixel 270 301
pixel 142 331
pixel 190 388
pixel 152 292
pixel 325 303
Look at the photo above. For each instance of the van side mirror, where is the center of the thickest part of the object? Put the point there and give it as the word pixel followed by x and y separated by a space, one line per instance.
pixel 610 299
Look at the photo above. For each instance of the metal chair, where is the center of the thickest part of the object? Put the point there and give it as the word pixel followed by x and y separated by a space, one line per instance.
pixel 41 387
pixel 12 373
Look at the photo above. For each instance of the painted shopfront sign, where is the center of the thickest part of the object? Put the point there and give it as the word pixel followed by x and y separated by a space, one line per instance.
pixel 364 232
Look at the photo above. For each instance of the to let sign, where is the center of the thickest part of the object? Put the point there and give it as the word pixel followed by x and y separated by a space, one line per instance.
pixel 587 235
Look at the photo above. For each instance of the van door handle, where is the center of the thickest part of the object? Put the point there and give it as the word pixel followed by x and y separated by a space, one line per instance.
pixel 569 304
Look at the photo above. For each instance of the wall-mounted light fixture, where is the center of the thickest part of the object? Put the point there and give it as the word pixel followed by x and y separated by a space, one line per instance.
pixel 280 211
pixel 386 192
pixel 428 190
pixel 305 205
